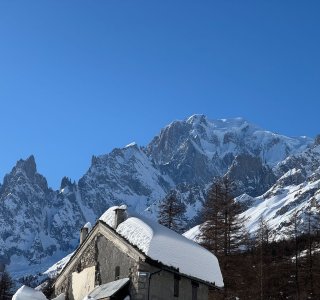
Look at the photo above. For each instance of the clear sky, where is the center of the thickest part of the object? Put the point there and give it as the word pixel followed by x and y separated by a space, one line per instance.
pixel 82 77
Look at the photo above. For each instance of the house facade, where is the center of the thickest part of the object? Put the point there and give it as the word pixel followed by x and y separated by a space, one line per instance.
pixel 112 263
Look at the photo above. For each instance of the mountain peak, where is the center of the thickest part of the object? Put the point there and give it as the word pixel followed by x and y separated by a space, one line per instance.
pixel 197 118
pixel 225 123
pixel 28 166
pixel 133 144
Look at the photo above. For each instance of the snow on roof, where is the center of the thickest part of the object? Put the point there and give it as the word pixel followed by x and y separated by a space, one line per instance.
pixel 27 293
pixel 109 289
pixel 88 225
pixel 61 297
pixel 166 246
pixel 109 217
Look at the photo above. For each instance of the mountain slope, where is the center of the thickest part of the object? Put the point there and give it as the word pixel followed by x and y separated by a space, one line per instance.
pixel 294 192
pixel 39 226
pixel 125 175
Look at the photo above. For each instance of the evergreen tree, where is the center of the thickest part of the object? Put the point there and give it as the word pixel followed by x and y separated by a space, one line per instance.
pixel 293 232
pixel 48 288
pixel 211 230
pixel 263 235
pixel 6 286
pixel 223 230
pixel 171 212
pixel 311 227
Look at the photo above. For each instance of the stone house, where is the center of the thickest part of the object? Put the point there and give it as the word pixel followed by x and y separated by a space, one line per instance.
pixel 131 257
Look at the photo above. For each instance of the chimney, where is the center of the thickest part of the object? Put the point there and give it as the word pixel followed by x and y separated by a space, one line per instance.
pixel 84 232
pixel 120 214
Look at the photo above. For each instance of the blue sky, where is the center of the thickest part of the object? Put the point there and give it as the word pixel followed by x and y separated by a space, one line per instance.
pixel 82 77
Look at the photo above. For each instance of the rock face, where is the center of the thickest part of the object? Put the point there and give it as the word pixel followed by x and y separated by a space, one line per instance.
pixel 249 175
pixel 38 226
pixel 35 222
pixel 197 149
pixel 125 175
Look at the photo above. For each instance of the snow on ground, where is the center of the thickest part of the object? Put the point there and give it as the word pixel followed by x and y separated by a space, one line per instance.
pixel 193 233
pixel 27 293
pixel 280 205
pixel 55 269
pixel 167 246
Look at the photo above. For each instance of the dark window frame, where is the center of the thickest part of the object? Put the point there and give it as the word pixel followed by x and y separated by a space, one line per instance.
pixel 195 286
pixel 117 272
pixel 176 284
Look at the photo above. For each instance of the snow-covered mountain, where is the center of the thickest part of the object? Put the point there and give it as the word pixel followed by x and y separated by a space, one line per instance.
pixel 195 149
pixel 39 226
pixel 294 192
pixel 36 223
pixel 124 175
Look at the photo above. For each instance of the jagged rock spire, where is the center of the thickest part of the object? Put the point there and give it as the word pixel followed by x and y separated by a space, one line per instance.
pixel 28 166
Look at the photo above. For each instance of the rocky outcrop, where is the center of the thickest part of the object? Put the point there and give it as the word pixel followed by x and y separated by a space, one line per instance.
pixel 37 224
pixel 249 175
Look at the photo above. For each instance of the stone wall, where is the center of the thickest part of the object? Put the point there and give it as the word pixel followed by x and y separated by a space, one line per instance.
pixel 162 285
pixel 86 260
pixel 109 257
pixel 105 251
pixel 105 256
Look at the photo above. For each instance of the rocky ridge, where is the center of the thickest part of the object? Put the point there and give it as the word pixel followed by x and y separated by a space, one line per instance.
pixel 38 226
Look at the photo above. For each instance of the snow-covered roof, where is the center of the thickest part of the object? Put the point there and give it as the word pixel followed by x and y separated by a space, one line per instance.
pixel 109 289
pixel 88 225
pixel 166 246
pixel 27 293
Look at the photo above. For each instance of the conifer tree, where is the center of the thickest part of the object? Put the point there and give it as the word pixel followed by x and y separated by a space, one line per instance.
pixel 48 288
pixel 311 228
pixel 222 231
pixel 171 212
pixel 263 235
pixel 6 286
pixel 293 232
pixel 211 230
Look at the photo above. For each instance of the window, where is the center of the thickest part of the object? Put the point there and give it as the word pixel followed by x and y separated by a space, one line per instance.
pixel 195 286
pixel 79 268
pixel 176 285
pixel 117 273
